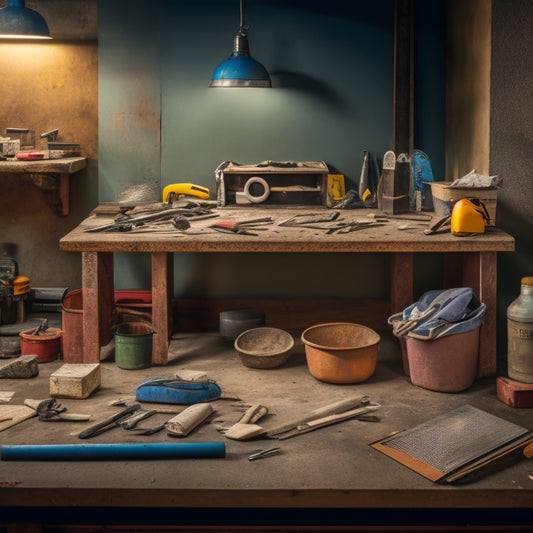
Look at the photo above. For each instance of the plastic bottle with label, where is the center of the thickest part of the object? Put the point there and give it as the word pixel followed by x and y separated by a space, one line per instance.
pixel 520 334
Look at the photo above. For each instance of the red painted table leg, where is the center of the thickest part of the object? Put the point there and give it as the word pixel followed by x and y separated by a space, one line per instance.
pixel 97 283
pixel 162 289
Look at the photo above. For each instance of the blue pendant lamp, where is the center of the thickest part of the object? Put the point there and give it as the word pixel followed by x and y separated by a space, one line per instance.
pixel 20 22
pixel 240 70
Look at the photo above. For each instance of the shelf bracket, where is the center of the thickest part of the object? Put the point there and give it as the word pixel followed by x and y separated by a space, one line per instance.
pixel 56 187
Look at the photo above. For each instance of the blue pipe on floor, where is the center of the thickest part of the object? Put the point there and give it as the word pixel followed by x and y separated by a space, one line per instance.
pixel 157 450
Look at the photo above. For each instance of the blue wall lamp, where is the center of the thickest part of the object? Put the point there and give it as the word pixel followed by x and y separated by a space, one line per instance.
pixel 20 22
pixel 240 70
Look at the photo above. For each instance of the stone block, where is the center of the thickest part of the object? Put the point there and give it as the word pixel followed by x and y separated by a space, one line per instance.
pixel 25 366
pixel 75 380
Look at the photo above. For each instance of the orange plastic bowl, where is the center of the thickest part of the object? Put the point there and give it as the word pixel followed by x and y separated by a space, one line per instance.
pixel 341 352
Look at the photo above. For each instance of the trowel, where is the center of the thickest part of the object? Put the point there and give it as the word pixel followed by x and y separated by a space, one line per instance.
pixel 246 428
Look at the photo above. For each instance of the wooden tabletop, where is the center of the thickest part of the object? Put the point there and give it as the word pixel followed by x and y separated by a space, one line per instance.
pixel 396 234
pixel 67 165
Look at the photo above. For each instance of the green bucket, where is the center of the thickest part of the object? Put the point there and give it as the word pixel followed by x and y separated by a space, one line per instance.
pixel 133 345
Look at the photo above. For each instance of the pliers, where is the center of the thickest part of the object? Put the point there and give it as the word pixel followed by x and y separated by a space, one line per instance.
pixel 241 228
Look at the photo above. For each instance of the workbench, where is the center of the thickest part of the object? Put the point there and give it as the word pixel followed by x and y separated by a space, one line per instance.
pixel 470 261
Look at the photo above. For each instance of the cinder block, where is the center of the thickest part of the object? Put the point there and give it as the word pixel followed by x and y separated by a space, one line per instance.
pixel 74 380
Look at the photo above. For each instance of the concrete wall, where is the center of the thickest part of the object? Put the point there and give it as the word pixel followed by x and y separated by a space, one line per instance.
pixel 511 141
pixel 489 122
pixel 468 63
pixel 49 85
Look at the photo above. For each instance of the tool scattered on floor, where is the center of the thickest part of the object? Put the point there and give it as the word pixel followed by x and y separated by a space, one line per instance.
pixel 108 423
pixel 246 428
pixel 360 413
pixel 264 453
pixel 122 401
pixel 338 407
pixel 51 411
pixel 131 422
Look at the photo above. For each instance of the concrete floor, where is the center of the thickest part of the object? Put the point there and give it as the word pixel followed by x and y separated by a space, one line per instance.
pixel 332 467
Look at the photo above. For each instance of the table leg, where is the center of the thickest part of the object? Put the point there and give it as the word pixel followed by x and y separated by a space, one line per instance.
pixel 401 281
pixel 401 291
pixel 98 303
pixel 64 193
pixel 480 273
pixel 162 289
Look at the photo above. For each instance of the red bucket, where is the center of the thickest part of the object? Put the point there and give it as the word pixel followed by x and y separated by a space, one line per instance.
pixel 46 345
pixel 72 321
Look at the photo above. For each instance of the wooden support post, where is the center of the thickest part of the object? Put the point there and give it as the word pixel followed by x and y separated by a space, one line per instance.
pixel 64 193
pixel 479 272
pixel 97 282
pixel 401 291
pixel 395 195
pixel 401 281
pixel 403 109
pixel 162 289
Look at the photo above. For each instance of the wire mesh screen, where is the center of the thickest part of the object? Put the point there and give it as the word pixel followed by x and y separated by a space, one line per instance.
pixel 454 439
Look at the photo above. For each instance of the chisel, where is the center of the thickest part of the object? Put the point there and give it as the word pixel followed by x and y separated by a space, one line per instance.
pixel 107 423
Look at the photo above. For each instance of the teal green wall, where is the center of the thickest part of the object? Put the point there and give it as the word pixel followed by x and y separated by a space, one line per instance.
pixel 332 69
pixel 332 81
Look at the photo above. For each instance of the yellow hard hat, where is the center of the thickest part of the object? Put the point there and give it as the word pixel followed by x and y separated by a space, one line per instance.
pixel 469 216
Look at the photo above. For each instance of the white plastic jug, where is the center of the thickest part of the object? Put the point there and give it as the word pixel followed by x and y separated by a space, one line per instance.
pixel 520 334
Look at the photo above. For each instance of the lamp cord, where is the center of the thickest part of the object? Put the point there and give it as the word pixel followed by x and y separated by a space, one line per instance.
pixel 242 27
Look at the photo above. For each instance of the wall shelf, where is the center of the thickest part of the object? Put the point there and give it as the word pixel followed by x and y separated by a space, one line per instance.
pixel 50 175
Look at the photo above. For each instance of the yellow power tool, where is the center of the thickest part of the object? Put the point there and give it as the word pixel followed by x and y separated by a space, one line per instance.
pixel 176 190
pixel 21 285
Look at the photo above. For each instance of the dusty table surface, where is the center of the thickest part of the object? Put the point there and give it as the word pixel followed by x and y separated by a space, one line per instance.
pixel 333 467
pixel 396 234
pixel 67 165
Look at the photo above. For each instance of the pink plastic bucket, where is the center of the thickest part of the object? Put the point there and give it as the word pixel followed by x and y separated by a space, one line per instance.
pixel 446 364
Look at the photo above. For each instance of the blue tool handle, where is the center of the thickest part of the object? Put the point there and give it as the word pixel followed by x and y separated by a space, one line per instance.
pixel 94 452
